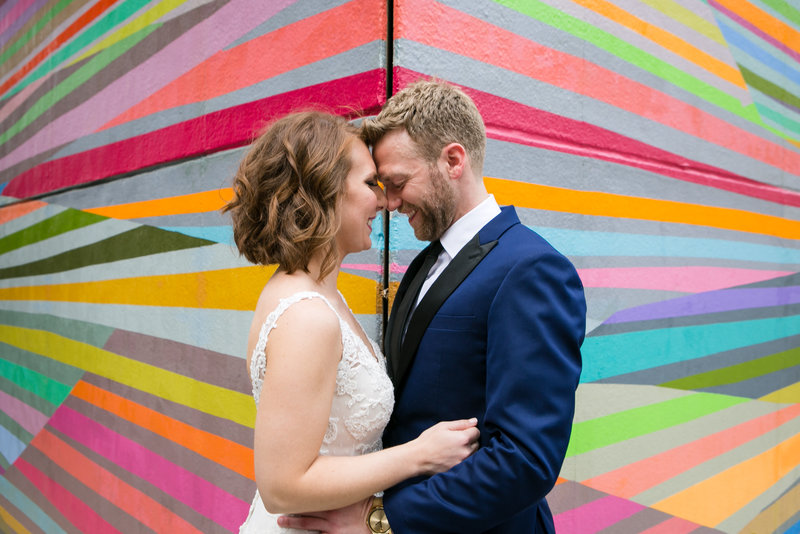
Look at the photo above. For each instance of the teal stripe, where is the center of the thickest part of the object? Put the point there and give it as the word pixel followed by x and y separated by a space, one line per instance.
pixel 779 118
pixel 13 495
pixel 86 38
pixel 37 383
pixel 28 397
pixel 90 333
pixel 23 40
pixel 622 426
pixel 65 221
pixel 612 355
pixel 73 81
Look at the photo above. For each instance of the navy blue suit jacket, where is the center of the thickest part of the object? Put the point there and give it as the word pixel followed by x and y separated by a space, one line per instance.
pixel 497 337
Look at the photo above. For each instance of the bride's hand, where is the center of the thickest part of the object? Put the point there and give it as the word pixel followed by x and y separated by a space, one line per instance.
pixel 445 444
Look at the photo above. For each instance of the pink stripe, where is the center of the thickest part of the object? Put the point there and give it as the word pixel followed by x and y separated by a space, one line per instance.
pixel 673 525
pixel 236 18
pixel 393 267
pixel 20 97
pixel 13 14
pixel 511 121
pixel 686 279
pixel 596 515
pixel 27 416
pixel 199 494
pixel 216 131
pixel 72 508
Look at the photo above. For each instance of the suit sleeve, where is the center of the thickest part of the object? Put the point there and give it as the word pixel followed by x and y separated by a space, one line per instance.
pixel 535 328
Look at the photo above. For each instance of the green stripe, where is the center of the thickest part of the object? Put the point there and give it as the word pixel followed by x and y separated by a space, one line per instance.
pixel 615 428
pixel 22 41
pixel 85 332
pixel 624 50
pixel 65 221
pixel 86 38
pixel 23 395
pixel 739 372
pixel 768 88
pixel 51 390
pixel 73 81
pixel 785 9
pixel 15 428
pixel 141 241
pixel 4 465
pixel 53 369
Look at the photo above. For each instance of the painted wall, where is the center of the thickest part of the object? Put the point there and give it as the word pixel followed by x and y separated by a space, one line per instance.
pixel 654 142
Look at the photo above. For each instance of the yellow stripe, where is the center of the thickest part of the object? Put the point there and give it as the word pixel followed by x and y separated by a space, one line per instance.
pixel 666 40
pixel 226 289
pixel 168 385
pixel 787 395
pixel 688 18
pixel 715 499
pixel 147 18
pixel 550 198
pixel 202 202
pixel 12 522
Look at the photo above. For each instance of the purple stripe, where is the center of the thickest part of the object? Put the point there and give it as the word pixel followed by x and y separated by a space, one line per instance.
pixel 187 51
pixel 752 29
pixel 27 416
pixel 711 302
pixel 199 494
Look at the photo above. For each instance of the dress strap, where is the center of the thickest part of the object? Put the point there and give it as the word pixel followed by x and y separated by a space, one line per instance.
pixel 258 360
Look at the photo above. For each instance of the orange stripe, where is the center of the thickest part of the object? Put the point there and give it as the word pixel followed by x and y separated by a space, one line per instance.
pixel 234 456
pixel 550 198
pixel 634 478
pixel 774 27
pixel 115 490
pixel 715 499
pixel 202 202
pixel 315 38
pixel 666 40
pixel 9 213
pixel 94 12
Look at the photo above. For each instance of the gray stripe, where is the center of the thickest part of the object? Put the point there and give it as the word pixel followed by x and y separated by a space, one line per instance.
pixel 29 219
pixel 675 371
pixel 116 517
pixel 28 397
pixel 27 488
pixel 759 386
pixel 222 477
pixel 223 331
pixel 603 302
pixel 596 400
pixel 72 328
pixel 351 62
pixel 295 12
pixel 716 465
pixel 177 507
pixel 570 495
pixel 638 522
pixel 53 369
pixel 24 520
pixel 530 92
pixel 207 366
pixel 611 457
pixel 195 418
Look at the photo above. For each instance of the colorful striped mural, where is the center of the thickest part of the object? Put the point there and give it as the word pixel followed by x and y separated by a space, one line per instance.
pixel 656 143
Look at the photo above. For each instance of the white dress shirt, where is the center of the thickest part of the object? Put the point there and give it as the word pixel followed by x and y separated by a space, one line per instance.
pixel 457 236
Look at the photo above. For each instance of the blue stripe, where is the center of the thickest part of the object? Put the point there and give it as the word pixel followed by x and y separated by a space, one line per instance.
pixel 27 507
pixel 612 355
pixel 733 37
pixel 10 445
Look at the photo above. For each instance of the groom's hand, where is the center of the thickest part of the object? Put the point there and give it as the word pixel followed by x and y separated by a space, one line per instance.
pixel 348 520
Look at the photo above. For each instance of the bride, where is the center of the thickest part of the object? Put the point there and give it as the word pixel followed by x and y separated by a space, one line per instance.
pixel 305 196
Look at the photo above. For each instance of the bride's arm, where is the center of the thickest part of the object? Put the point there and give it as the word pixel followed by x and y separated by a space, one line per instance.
pixel 303 353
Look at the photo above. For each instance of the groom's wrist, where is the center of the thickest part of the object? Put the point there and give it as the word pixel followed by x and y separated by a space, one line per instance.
pixel 377 522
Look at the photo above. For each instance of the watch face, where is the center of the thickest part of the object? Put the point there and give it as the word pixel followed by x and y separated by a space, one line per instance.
pixel 378 521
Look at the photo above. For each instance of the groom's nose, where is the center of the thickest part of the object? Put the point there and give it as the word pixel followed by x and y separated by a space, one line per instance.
pixel 393 200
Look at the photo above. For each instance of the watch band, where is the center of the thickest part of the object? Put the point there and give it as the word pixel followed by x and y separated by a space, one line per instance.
pixel 377 522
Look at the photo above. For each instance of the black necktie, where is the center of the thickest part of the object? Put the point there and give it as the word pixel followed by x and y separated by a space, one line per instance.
pixel 416 284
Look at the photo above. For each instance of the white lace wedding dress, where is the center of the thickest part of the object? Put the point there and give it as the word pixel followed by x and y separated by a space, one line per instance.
pixel 361 407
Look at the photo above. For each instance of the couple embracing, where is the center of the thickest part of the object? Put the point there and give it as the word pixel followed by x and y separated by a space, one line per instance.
pixel 463 425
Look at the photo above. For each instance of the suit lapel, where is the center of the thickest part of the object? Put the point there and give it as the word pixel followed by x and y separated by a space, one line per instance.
pixel 455 273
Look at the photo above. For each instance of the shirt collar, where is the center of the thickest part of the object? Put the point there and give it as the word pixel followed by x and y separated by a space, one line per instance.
pixel 465 228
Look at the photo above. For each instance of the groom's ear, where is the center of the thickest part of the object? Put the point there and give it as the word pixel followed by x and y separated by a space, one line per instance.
pixel 454 157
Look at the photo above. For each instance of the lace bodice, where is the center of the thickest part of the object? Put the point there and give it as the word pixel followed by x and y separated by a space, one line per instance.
pixel 361 406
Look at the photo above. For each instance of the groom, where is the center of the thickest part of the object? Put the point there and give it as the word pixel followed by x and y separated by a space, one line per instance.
pixel 487 322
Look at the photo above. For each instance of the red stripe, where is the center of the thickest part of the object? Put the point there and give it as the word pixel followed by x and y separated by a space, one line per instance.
pixel 511 121
pixel 72 508
pixel 228 128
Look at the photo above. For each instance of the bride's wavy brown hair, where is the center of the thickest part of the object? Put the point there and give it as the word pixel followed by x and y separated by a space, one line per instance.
pixel 287 191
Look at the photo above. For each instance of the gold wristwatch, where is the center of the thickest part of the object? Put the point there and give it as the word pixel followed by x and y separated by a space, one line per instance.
pixel 376 517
